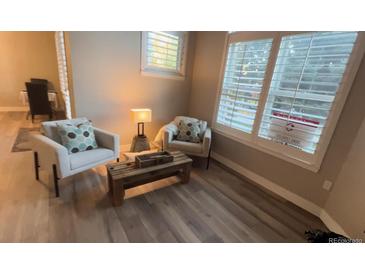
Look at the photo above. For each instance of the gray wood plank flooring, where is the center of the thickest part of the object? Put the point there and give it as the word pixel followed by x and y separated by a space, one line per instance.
pixel 215 206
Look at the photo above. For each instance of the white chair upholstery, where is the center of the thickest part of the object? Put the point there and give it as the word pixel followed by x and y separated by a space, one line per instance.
pixel 90 157
pixel 170 131
pixel 188 148
pixel 50 155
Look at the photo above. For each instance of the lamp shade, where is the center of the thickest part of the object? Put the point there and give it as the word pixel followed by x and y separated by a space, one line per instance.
pixel 141 115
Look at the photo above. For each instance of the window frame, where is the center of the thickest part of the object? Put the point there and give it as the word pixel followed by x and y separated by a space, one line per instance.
pixel 152 71
pixel 306 160
pixel 231 38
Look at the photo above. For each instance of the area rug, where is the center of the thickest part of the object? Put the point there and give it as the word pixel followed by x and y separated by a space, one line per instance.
pixel 22 141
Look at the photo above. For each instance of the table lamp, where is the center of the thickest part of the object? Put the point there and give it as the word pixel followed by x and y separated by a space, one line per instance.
pixel 140 141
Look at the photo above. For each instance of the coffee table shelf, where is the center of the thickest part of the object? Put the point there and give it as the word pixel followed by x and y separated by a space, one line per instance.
pixel 122 176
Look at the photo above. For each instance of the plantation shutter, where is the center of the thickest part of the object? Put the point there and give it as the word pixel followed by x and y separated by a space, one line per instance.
pixel 164 50
pixel 62 71
pixel 244 74
pixel 308 73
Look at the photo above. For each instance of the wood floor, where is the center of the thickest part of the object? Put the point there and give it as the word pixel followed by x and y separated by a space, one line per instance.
pixel 215 206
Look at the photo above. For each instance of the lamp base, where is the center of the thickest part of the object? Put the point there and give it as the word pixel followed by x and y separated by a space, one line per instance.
pixel 140 143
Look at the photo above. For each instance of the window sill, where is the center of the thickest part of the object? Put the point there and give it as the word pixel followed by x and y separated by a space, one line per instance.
pixel 164 75
pixel 314 167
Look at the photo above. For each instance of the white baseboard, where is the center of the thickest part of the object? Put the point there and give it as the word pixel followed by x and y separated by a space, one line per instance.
pixel 332 224
pixel 282 192
pixel 8 109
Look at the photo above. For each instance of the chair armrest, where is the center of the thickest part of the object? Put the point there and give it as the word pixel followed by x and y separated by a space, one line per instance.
pixel 51 152
pixel 108 140
pixel 165 135
pixel 207 141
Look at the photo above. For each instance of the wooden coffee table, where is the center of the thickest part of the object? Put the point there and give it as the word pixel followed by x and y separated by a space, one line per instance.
pixel 122 176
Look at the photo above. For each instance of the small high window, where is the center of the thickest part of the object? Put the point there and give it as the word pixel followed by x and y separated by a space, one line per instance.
pixel 164 54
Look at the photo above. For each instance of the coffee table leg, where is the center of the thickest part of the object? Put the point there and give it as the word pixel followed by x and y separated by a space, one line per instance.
pixel 110 184
pixel 118 194
pixel 185 176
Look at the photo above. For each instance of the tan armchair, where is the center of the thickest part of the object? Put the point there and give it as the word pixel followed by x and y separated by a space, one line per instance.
pixel 168 133
pixel 50 155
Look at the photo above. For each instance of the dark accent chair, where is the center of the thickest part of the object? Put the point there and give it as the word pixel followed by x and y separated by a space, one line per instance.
pixel 38 100
pixel 39 81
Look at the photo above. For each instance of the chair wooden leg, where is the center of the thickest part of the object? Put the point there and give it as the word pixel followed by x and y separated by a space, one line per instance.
pixel 32 119
pixel 36 165
pixel 208 159
pixel 55 180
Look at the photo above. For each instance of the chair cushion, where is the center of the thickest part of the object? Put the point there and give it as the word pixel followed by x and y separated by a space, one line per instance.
pixel 77 138
pixel 78 160
pixel 50 129
pixel 188 132
pixel 195 148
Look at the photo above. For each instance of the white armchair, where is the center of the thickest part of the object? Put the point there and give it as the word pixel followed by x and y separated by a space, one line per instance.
pixel 50 155
pixel 170 131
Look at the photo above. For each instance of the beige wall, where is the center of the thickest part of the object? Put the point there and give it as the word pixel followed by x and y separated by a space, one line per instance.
pixel 207 64
pixel 25 55
pixel 107 83
pixel 346 204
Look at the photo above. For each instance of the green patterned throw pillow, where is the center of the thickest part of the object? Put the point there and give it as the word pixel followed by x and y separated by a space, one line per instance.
pixel 188 132
pixel 77 138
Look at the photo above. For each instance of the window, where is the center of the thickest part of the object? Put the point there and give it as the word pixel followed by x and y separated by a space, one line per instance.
pixel 282 94
pixel 308 72
pixel 164 54
pixel 242 83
